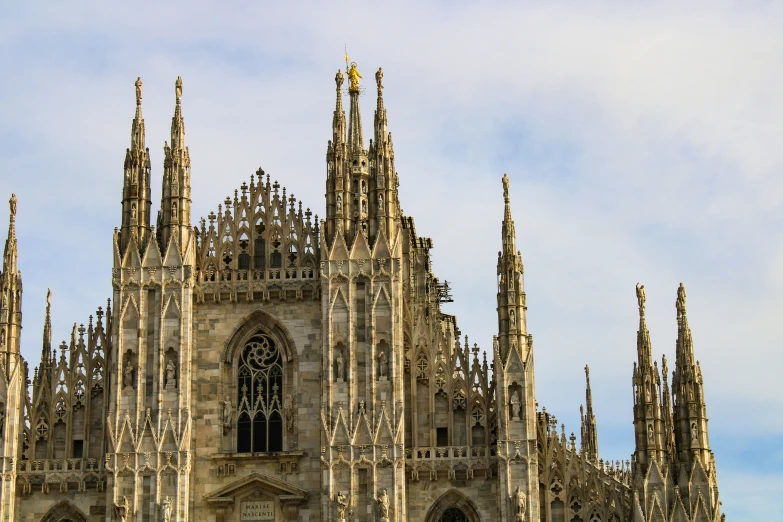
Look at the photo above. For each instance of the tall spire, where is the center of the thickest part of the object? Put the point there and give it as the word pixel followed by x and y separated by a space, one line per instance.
pixel 136 195
pixel 174 215
pixel 690 409
pixel 338 120
pixel 646 384
pixel 355 135
pixel 509 235
pixel 668 421
pixel 589 425
pixel 384 200
pixel 10 289
pixel 46 349
pixel 10 253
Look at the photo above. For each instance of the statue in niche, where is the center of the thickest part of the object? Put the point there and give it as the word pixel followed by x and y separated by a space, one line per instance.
pixel 650 432
pixel 127 380
pixel 339 208
pixel 520 504
pixel 383 505
pixel 171 372
pixel 694 433
pixel 361 408
pixel 226 414
pixel 165 509
pixel 515 405
pixel 340 366
pixel 342 505
pixel 288 409
pixel 383 364
pixel 512 318
pixel 2 338
pixel 133 211
pixel 174 210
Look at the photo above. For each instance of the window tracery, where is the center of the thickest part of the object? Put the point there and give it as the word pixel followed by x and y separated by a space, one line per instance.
pixel 453 514
pixel 260 389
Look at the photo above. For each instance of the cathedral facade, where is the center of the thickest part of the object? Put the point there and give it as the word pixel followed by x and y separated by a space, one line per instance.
pixel 264 365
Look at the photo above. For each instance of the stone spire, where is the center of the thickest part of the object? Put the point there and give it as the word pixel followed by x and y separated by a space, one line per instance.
pixel 589 426
pixel 338 182
pixel 338 120
pixel 174 215
pixel 668 422
pixel 646 383
pixel 46 349
pixel 355 135
pixel 512 307
pixel 384 202
pixel 690 409
pixel 136 195
pixel 10 289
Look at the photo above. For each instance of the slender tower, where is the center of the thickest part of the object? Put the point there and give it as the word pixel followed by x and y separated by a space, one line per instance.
pixel 697 476
pixel 647 409
pixel 362 326
pixel 136 199
pixel 12 368
pixel 516 390
pixel 589 427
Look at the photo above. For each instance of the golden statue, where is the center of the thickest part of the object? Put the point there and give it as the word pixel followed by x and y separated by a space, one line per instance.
pixel 353 77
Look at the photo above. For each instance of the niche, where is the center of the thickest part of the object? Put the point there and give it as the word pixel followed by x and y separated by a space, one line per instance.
pixel 515 402
pixel 340 364
pixel 129 371
pixel 171 365
pixel 383 360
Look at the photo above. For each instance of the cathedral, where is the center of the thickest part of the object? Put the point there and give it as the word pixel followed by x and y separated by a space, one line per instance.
pixel 262 364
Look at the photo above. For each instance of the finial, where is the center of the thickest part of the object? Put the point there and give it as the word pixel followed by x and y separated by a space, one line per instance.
pixel 48 297
pixel 12 204
pixel 587 372
pixel 138 90
pixel 505 188
pixel 178 89
pixel 354 77
pixel 641 298
pixel 379 79
pixel 680 300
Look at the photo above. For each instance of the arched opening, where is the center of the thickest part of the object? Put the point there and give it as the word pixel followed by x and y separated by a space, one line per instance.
pixel 64 512
pixel 259 396
pixel 453 514
pixel 453 506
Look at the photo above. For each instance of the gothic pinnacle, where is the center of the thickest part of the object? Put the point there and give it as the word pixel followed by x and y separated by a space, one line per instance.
pixel 9 255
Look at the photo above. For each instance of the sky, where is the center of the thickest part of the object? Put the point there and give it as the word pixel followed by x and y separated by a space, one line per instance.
pixel 642 140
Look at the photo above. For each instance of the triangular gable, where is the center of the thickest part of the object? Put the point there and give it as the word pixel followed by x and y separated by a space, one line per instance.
pixel 381 248
pixel 173 257
pixel 271 485
pixel 152 256
pixel 132 258
pixel 360 249
pixel 339 249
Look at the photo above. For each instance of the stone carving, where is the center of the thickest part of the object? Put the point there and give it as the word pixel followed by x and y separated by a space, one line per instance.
pixel 171 372
pixel 514 405
pixel 650 432
pixel 122 509
pixel 339 209
pixel 12 204
pixel 127 380
pixel 520 504
pixel 680 300
pixel 361 408
pixel 383 364
pixel 138 90
pixel 383 505
pixel 340 366
pixel 226 415
pixel 694 433
pixel 288 410
pixel 379 78
pixel 178 88
pixel 165 509
pixel 640 297
pixel 512 318
pixel 342 505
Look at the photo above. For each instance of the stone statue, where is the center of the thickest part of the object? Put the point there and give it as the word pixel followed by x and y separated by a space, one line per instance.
pixel 338 79
pixel 383 364
pixel 339 204
pixel 681 300
pixel 361 408
pixel 512 318
pixel 514 405
pixel 640 297
pixel 171 371
pixel 694 433
pixel 354 77
pixel 138 90
pixel 649 432
pixel 379 78
pixel 165 509
pixel 520 504
pixel 340 366
pixel 289 412
pixel 178 88
pixel 12 204
pixel 128 375
pixel 227 414
pixel 342 505
pixel 505 185
pixel 383 505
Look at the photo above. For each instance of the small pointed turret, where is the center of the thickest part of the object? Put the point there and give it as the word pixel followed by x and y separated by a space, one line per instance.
pixel 174 215
pixel 690 409
pixel 338 181
pixel 136 195
pixel 46 349
pixel 10 289
pixel 384 201
pixel 646 384
pixel 668 422
pixel 589 425
pixel 355 135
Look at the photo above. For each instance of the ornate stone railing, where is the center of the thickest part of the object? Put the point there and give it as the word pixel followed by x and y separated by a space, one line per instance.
pixel 459 462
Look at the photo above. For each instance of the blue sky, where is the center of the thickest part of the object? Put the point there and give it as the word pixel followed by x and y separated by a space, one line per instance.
pixel 643 143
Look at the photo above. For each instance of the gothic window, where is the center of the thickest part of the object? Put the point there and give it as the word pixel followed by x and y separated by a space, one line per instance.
pixel 453 514
pixel 260 389
pixel 277 259
pixel 259 254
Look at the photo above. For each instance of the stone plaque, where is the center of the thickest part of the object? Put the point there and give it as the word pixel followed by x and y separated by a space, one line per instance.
pixel 257 510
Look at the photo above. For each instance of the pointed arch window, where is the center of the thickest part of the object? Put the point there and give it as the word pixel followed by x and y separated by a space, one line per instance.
pixel 260 390
pixel 453 514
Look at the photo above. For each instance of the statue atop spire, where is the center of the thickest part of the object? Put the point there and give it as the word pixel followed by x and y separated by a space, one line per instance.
pixel 680 301
pixel 138 91
pixel 641 298
pixel 379 79
pixel 177 89
pixel 506 197
pixel 353 77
